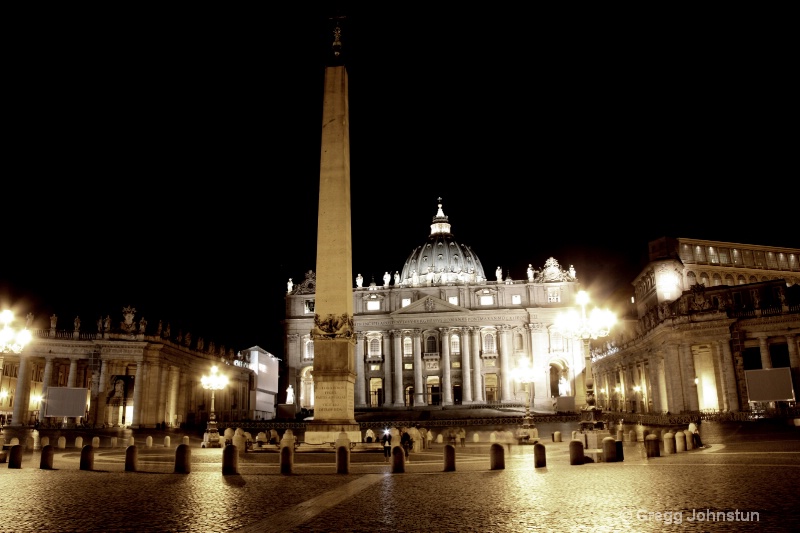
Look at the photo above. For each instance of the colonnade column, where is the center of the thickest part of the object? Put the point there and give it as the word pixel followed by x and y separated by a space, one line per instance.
pixel 655 383
pixel 689 385
pixel 419 384
pixel 398 366
pixel 46 378
pixel 477 383
pixel 163 415
pixel 172 401
pixel 466 366
pixel 674 379
pixel 447 387
pixel 101 397
pixel 763 346
pixel 23 392
pixel 73 372
pixel 386 343
pixel 731 397
pixel 361 378
pixel 138 387
pixel 505 354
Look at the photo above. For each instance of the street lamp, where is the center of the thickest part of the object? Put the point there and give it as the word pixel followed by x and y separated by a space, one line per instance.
pixel 524 374
pixel 586 327
pixel 214 382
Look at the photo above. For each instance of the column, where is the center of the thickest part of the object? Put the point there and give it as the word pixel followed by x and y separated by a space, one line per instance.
pixel 172 402
pixel 73 372
pixel 102 404
pixel 505 353
pixel 731 394
pixel 447 387
pixel 46 379
pixel 361 376
pixel 655 383
pixel 387 367
pixel 397 359
pixel 419 384
pixel 466 366
pixel 791 345
pixel 163 387
pixel 479 394
pixel 138 387
pixel 183 393
pixel 23 393
pixel 766 360
pixel 674 378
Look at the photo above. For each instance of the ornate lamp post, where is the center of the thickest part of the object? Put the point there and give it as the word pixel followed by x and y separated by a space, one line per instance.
pixel 585 328
pixel 524 374
pixel 214 382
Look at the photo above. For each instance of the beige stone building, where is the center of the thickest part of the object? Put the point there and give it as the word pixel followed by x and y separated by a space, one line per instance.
pixel 707 314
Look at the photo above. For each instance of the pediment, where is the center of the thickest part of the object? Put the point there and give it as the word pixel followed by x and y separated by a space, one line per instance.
pixel 429 304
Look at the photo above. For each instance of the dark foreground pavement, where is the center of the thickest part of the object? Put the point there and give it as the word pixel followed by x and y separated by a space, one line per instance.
pixel 747 480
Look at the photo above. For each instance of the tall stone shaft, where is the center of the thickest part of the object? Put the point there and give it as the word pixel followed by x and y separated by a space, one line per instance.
pixel 334 336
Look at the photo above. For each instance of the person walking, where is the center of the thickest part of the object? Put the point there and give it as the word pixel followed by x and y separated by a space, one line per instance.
pixel 386 440
pixel 406 442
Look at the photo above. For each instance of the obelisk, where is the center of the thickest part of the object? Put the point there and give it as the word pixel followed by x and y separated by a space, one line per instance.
pixel 333 333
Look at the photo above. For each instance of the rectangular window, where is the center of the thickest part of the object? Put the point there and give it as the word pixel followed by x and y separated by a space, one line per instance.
pixel 406 302
pixel 686 254
pixel 373 305
pixel 772 261
pixel 712 255
pixel 724 256
pixel 748 258
pixel 408 366
pixel 794 264
pixel 553 294
pixel 761 260
pixel 309 306
pixel 783 262
pixel 737 257
pixel 453 300
pixel 487 300
pixel 456 364
pixel 374 368
pixel 516 299
pixel 700 254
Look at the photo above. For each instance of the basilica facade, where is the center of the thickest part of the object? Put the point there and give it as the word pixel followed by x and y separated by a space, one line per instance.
pixel 441 331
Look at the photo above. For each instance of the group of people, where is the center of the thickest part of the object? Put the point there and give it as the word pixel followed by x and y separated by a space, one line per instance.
pixel 414 438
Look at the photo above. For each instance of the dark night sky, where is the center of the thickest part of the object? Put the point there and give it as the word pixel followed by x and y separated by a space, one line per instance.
pixel 173 165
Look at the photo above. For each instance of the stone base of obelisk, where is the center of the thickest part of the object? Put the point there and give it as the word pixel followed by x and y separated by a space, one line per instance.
pixel 328 433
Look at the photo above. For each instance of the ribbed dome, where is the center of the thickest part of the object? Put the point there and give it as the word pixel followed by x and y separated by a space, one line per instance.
pixel 441 259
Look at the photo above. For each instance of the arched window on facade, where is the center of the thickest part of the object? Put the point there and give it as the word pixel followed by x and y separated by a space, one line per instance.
pixel 489 344
pixel 374 347
pixel 310 350
pixel 408 350
pixel 518 342
pixel 455 344
pixel 430 344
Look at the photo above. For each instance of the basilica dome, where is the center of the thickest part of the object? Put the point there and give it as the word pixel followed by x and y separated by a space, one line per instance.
pixel 441 259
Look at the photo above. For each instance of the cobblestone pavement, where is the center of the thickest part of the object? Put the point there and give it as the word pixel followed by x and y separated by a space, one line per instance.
pixel 748 474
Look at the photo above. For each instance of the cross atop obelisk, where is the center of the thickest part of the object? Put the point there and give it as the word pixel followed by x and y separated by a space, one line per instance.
pixel 333 333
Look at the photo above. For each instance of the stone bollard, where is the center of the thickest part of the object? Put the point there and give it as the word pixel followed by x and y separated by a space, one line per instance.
pixel 620 452
pixel 449 458
pixel 632 435
pixel 239 440
pixel 398 460
pixel 342 445
pixel 680 441
pixel 183 459
pixel 46 460
pixel 113 443
pixel 96 442
pixel 651 446
pixel 497 459
pixel 287 452
pixel 36 442
pixel 15 456
pixel 610 450
pixel 148 442
pixel 45 441
pixel 87 457
pixel 574 435
pixel 79 442
pixel 576 456
pixel 230 460
pixel 557 436
pixel 689 440
pixel 669 443
pixel 62 443
pixel 166 441
pixel 539 458
pixel 186 440
pixel 131 459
